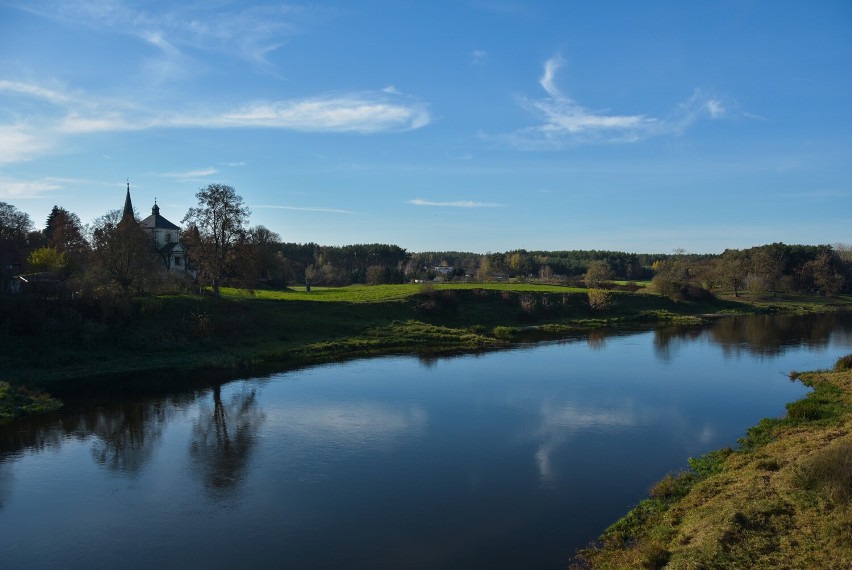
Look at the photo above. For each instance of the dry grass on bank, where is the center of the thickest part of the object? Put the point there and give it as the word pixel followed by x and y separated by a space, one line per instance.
pixel 782 500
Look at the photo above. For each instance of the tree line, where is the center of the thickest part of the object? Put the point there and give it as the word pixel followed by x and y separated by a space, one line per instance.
pixel 114 255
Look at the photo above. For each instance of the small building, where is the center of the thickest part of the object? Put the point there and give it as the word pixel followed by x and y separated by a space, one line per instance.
pixel 45 285
pixel 165 237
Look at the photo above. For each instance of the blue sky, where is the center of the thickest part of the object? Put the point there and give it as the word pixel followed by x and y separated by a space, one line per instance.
pixel 448 125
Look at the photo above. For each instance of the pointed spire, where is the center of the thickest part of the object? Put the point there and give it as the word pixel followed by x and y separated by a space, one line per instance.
pixel 128 205
pixel 156 209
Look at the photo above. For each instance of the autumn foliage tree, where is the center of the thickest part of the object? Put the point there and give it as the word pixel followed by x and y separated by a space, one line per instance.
pixel 215 229
pixel 124 252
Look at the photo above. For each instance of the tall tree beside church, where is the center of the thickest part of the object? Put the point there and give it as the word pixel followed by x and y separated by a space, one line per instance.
pixel 64 232
pixel 14 224
pixel 216 226
pixel 124 251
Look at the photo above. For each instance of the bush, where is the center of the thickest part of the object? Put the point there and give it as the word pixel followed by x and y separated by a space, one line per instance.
pixel 671 486
pixel 828 472
pixel 843 363
pixel 528 304
pixel 17 401
pixel 600 300
pixel 505 333
pixel 804 410
pixel 710 463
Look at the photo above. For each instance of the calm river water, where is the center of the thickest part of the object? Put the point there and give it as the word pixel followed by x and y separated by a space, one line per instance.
pixel 503 460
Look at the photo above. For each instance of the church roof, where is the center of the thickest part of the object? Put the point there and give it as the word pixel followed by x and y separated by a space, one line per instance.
pixel 156 221
pixel 128 206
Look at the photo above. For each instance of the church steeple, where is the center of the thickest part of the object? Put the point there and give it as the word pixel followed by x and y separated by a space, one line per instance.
pixel 128 205
pixel 156 209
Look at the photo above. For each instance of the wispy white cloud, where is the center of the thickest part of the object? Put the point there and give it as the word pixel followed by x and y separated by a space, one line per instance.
pixel 357 112
pixel 566 122
pixel 46 115
pixel 21 189
pixel 303 209
pixel 21 142
pixel 248 32
pixel 190 174
pixel 454 204
pixel 34 91
pixel 478 56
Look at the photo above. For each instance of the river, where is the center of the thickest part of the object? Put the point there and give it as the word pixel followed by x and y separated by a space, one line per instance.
pixel 509 459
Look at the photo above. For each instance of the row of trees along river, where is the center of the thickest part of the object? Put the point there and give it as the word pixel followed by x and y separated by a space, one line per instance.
pixel 105 257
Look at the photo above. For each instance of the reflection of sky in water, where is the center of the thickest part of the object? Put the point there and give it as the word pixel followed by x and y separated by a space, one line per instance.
pixel 345 423
pixel 498 460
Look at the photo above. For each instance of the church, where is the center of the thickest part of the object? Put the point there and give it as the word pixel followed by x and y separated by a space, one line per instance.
pixel 164 234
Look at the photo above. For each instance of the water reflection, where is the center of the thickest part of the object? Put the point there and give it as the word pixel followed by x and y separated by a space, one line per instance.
pixel 223 438
pixel 349 424
pixel 125 437
pixel 769 335
pixel 762 335
pixel 6 479
pixel 597 339
pixel 561 423
pixel 398 462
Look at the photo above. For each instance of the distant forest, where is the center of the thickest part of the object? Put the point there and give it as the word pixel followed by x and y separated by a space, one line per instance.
pixel 86 259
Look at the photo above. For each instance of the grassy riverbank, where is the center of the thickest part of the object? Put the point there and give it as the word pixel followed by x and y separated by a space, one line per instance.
pixel 782 499
pixel 49 342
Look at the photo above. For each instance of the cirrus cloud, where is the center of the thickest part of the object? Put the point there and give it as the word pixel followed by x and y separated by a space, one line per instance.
pixel 565 122
pixel 45 116
pixel 453 204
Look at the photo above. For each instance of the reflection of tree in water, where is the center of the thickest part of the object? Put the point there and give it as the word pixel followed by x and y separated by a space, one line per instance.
pixel 126 435
pixel 427 360
pixel 222 440
pixel 5 481
pixel 769 335
pixel 763 335
pixel 597 339
pixel 665 338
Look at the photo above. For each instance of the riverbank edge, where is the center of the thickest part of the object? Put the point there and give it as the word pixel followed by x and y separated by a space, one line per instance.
pixel 781 499
pixel 374 329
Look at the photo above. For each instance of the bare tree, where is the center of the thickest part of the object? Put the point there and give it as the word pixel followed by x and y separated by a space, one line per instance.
pixel 124 251
pixel 597 273
pixel 216 226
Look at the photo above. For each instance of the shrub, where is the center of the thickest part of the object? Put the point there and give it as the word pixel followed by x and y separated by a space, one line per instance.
pixel 505 333
pixel 843 363
pixel 671 486
pixel 759 435
pixel 16 401
pixel 710 463
pixel 600 300
pixel 829 472
pixel 528 304
pixel 804 410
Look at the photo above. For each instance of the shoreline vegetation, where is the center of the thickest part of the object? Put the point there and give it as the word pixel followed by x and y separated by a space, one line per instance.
pixel 69 346
pixel 781 499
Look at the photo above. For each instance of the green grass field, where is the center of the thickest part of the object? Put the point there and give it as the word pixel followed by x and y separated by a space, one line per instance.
pixel 387 293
